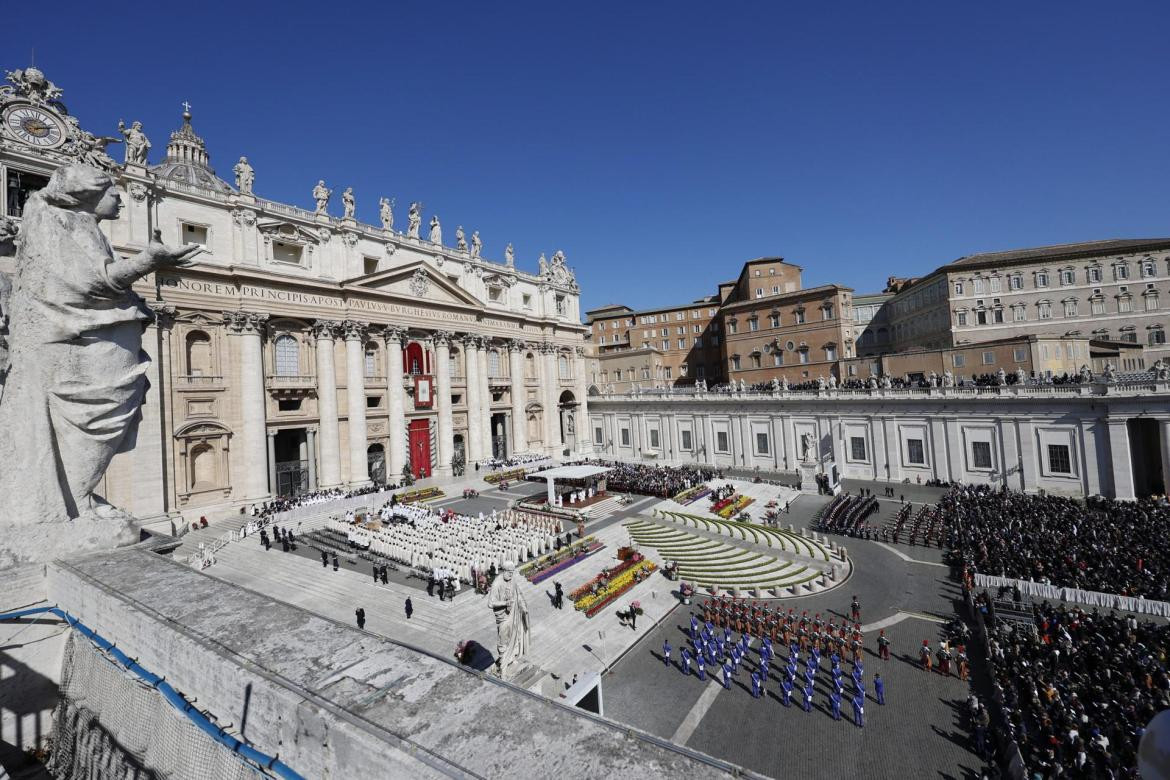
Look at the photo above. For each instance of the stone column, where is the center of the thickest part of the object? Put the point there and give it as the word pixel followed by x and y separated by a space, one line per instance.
pixel 580 366
pixel 152 453
pixel 396 398
pixel 1164 429
pixel 310 441
pixel 442 340
pixel 484 417
pixel 272 462
pixel 472 390
pixel 519 396
pixel 252 454
pixel 1120 461
pixel 355 392
pixel 552 394
pixel 325 330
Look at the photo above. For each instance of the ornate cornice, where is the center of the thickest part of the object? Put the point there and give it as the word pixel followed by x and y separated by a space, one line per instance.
pixel 392 333
pixel 442 338
pixel 325 329
pixel 355 331
pixel 516 345
pixel 245 321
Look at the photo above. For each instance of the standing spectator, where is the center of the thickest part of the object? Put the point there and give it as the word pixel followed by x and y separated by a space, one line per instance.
pixel 361 618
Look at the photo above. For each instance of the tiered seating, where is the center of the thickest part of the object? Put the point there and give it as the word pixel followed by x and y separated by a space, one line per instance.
pixel 750 532
pixel 846 515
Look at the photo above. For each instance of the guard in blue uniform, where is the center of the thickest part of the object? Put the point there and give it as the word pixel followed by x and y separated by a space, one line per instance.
pixel 835 704
pixel 756 684
pixel 786 692
pixel 808 697
pixel 702 669
pixel 879 689
pixel 859 710
pixel 666 651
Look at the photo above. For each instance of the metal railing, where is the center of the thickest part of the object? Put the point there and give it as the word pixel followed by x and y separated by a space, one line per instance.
pixel 198 379
pixel 291 380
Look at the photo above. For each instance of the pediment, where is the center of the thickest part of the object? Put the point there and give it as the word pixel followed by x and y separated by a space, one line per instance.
pixel 418 281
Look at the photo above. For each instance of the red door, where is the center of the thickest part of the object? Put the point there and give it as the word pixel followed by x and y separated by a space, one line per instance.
pixel 420 448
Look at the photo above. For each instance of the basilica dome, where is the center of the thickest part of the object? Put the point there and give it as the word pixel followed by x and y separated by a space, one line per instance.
pixel 187 161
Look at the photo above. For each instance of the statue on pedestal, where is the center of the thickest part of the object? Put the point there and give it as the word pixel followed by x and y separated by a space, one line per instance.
pixel 476 244
pixel 386 213
pixel 805 447
pixel 348 204
pixel 509 256
pixel 932 380
pixel 1086 374
pixel 460 239
pixel 414 220
pixel 137 144
pixel 542 265
pixel 78 372
pixel 245 176
pixel 513 631
pixel 948 379
pixel 436 230
pixel 321 194
pixel 1001 377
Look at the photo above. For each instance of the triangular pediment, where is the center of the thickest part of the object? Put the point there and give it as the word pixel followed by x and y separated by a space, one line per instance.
pixel 417 281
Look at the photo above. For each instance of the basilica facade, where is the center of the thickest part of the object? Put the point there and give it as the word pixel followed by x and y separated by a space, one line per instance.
pixel 305 350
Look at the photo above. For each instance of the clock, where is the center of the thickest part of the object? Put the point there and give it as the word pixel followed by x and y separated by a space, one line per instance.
pixel 34 126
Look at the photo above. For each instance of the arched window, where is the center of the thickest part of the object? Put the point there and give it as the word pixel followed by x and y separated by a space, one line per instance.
pixel 493 360
pixel 198 353
pixel 453 362
pixel 288 356
pixel 563 363
pixel 413 358
pixel 529 366
pixel 371 360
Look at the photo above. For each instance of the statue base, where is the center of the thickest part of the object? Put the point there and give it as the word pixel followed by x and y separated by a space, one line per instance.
pixel 101 528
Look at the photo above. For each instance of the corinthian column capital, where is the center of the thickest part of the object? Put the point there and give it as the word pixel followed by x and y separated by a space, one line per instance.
pixel 354 330
pixel 239 322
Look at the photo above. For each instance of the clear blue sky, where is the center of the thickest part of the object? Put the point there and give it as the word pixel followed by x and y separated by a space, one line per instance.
pixel 661 144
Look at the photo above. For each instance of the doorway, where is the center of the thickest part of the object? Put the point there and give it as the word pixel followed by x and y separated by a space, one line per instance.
pixel 292 462
pixel 1145 453
pixel 376 463
pixel 420 448
pixel 499 425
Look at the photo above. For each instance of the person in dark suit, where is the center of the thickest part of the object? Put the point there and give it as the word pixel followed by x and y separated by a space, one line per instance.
pixel 409 608
pixel 559 598
pixel 361 618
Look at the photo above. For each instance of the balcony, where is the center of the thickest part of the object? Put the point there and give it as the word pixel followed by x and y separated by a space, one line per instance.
pixel 290 381
pixel 198 382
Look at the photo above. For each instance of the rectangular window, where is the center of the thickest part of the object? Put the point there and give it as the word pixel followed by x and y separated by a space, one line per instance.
pixel 598 435
pixel 803 355
pixel 625 437
pixel 1097 305
pixel 995 284
pixel 978 285
pixel 732 327
pixel 958 288
pixel 667 373
pixel 1094 275
pixel 1045 311
pixel 699 341
pixel 961 318
pixel 753 325
pixel 287 253
pixel 1059 459
pixel 721 444
pixel 799 316
pixel 997 315
pixel 19 187
pixel 1042 279
pixel 1019 354
pixel 369 265
pixel 1019 314
pixel 957 360
pixel 653 438
pixel 735 363
pixel 666 331
pixel 495 294
pixel 857 447
pixel 684 441
pixel 981 454
pixel 759 292
pixel 1070 308
pixel 1016 282
pixel 762 443
pixel 665 345
pixel 1151 302
pixel 526 300
pixel 560 304
pixel 988 358
pixel 774 320
pixel 1121 272
pixel 682 343
pixel 777 358
pixel 827 311
pixel 1066 276
pixel 1124 305
pixel 915 453
pixel 830 353
pixel 1148 269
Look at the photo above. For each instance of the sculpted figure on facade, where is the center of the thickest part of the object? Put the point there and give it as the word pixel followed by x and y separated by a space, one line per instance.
pixel 872 382
pixel 509 256
pixel 413 220
pixel 887 383
pixel 460 239
pixel 948 378
pixel 137 144
pixel 805 447
pixel 1085 374
pixel 832 381
pixel 932 380
pixel 775 385
pixel 1161 370
pixel 92 149
pixel 1110 373
pixel 784 384
pixel 348 204
pixel 1001 377
pixel 386 213
pixel 542 264
pixel 476 244
pixel 436 230
pixel 820 382
pixel 78 373
pixel 245 176
pixel 321 194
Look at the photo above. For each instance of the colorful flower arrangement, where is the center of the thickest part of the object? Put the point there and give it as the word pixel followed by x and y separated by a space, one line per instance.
pixel 691 495
pixel 723 502
pixel 420 494
pixel 737 505
pixel 500 476
pixel 556 562
pixel 593 602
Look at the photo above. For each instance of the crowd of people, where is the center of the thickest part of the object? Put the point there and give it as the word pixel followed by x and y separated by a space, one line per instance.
pixel 652 479
pixel 1094 545
pixel 1079 688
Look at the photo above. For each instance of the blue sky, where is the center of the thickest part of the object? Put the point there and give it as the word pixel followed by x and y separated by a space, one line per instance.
pixel 659 144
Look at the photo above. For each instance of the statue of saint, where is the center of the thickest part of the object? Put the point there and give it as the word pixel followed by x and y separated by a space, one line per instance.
pixel 570 423
pixel 414 220
pixel 460 239
pixel 1001 377
pixel 245 176
pixel 476 244
pixel 1086 374
pixel 348 203
pixel 436 230
pixel 78 372
pixel 137 144
pixel 805 447
pixel 513 631
pixel 1110 373
pixel 321 194
pixel 386 213
pixel 509 255
pixel 542 264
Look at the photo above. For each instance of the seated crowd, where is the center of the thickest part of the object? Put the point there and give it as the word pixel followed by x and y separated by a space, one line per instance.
pixel 652 479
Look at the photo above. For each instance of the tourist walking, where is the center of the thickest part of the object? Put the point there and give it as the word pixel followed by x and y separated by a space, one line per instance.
pixel 409 608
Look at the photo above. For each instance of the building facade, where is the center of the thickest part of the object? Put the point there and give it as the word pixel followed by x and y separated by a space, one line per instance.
pixel 1075 440
pixel 304 350
pixel 674 345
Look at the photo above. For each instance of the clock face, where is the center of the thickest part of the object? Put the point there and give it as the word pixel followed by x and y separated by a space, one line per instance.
pixel 34 126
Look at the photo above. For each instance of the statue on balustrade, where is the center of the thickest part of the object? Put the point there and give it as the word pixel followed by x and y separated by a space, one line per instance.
pixel 78 372
pixel 245 176
pixel 321 194
pixel 460 239
pixel 513 630
pixel 509 255
pixel 476 244
pixel 137 144
pixel 414 220
pixel 386 213
pixel 348 203
pixel 436 230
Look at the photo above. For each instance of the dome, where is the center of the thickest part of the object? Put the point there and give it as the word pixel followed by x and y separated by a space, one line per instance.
pixel 187 161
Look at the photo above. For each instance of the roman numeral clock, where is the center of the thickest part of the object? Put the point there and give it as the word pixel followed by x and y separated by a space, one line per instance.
pixel 34 126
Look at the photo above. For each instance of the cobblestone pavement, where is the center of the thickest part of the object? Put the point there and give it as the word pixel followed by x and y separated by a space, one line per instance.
pixel 920 732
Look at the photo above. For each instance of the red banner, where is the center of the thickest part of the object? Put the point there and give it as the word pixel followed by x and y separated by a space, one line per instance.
pixel 424 392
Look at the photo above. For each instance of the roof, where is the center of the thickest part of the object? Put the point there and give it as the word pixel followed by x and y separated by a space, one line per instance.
pixel 572 472
pixel 609 307
pixel 1059 252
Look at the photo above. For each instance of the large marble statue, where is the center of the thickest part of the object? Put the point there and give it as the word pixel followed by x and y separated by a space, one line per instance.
pixel 542 264
pixel 414 220
pixel 805 447
pixel 436 230
pixel 509 255
pixel 513 631
pixel 460 239
pixel 245 176
pixel 348 203
pixel 386 213
pixel 321 194
pixel 137 144
pixel 78 372
pixel 476 244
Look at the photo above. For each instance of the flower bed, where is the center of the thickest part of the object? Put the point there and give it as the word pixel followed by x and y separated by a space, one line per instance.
pixel 592 603
pixel 737 505
pixel 542 569
pixel 604 576
pixel 500 476
pixel 720 504
pixel 691 495
pixel 421 494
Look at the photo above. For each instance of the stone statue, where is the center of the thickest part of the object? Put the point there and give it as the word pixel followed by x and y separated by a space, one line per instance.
pixel 775 385
pixel 932 380
pixel 887 383
pixel 1161 370
pixel 805 447
pixel 436 230
pixel 820 382
pixel 1020 378
pixel 245 176
pixel 414 220
pixel 832 381
pixel 348 204
pixel 460 239
pixel 513 632
pixel 78 372
pixel 92 148
pixel 948 379
pixel 570 423
pixel 509 256
pixel 476 244
pixel 1085 374
pixel 321 194
pixel 1110 373
pixel 386 213
pixel 784 383
pixel 742 386
pixel 1001 377
pixel 137 144
pixel 542 265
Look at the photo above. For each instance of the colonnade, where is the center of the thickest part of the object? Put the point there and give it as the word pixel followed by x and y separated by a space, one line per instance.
pixel 325 454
